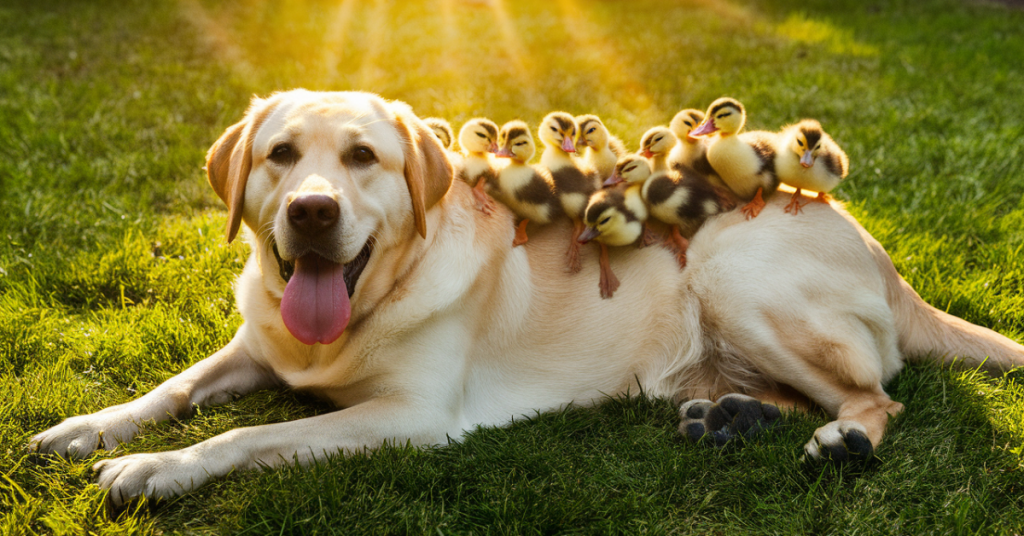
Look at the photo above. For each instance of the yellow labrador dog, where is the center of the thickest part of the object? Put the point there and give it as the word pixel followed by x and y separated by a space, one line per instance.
pixel 376 283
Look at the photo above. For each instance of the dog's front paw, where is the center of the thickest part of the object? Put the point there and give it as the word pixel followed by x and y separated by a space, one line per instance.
pixel 732 416
pixel 840 441
pixel 78 437
pixel 159 475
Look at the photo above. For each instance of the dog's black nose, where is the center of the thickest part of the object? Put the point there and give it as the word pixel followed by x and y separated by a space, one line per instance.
pixel 311 214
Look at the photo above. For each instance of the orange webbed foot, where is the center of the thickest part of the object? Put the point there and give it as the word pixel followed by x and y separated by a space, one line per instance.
pixel 609 283
pixel 484 203
pixel 823 198
pixel 646 237
pixel 794 202
pixel 754 207
pixel 521 237
pixel 678 244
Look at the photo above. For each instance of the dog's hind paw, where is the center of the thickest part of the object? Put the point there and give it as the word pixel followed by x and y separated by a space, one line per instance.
pixel 840 441
pixel 732 416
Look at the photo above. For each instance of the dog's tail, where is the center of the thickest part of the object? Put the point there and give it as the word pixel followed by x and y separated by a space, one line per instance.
pixel 926 333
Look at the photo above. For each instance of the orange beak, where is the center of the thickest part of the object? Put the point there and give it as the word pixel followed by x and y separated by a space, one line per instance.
pixel 807 159
pixel 587 235
pixel 567 144
pixel 705 128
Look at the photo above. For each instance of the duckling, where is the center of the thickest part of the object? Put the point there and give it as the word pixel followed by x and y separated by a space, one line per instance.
pixel 613 217
pixel 478 138
pixel 745 162
pixel 691 152
pixel 602 149
pixel 655 145
pixel 528 190
pixel 680 199
pixel 633 170
pixel 572 184
pixel 809 159
pixel 443 130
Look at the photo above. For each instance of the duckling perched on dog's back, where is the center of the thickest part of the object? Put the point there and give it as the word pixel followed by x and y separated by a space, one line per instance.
pixel 443 130
pixel 809 159
pixel 614 216
pixel 745 162
pixel 602 149
pixel 655 145
pixel 528 190
pixel 572 184
pixel 691 152
pixel 478 139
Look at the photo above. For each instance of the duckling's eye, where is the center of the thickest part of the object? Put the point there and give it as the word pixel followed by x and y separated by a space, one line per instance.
pixel 689 124
pixel 592 129
pixel 604 221
pixel 553 129
pixel 520 143
pixel 627 170
pixel 363 155
pixel 800 143
pixel 481 135
pixel 656 140
pixel 816 147
pixel 282 153
pixel 722 116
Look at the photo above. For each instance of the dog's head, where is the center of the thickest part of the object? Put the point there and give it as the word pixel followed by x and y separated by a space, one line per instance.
pixel 322 179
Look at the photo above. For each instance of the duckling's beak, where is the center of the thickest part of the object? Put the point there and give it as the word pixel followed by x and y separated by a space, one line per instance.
pixel 613 180
pixel 807 159
pixel 704 129
pixel 567 144
pixel 504 152
pixel 647 152
pixel 588 234
pixel 493 148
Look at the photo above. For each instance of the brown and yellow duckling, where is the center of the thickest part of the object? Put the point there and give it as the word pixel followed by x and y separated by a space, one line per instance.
pixel 601 149
pixel 443 130
pixel 527 190
pixel 655 145
pixel 573 184
pixel 683 200
pixel 809 159
pixel 745 162
pixel 478 139
pixel 691 152
pixel 615 216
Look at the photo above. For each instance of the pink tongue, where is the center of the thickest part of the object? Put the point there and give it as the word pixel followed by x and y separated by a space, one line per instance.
pixel 315 306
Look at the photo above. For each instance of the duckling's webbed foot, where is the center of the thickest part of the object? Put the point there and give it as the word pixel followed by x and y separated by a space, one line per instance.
pixel 609 283
pixel 678 244
pixel 521 237
pixel 754 207
pixel 794 202
pixel 732 416
pixel 484 203
pixel 823 198
pixel 647 237
pixel 572 255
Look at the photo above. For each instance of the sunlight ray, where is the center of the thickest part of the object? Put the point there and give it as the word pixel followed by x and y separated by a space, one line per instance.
pixel 377 31
pixel 216 37
pixel 513 46
pixel 334 41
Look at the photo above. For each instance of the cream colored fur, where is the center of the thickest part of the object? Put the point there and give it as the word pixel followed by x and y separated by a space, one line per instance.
pixel 459 329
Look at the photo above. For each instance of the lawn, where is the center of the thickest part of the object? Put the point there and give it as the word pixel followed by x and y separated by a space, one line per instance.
pixel 114 272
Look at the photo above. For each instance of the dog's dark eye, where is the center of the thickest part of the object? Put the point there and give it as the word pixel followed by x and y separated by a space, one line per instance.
pixel 282 153
pixel 363 155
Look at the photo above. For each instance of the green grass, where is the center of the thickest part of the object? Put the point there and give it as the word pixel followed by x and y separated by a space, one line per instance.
pixel 114 274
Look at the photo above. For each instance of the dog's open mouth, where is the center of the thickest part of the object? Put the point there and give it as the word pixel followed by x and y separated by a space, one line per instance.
pixel 315 306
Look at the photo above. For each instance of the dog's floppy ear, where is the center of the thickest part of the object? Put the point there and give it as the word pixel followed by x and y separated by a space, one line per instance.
pixel 229 161
pixel 428 173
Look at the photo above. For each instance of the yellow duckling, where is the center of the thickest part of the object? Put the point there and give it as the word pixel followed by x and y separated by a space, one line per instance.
pixel 681 199
pixel 573 185
pixel 602 150
pixel 614 216
pixel 528 190
pixel 655 145
pixel 808 159
pixel 478 139
pixel 745 162
pixel 443 130
pixel 691 152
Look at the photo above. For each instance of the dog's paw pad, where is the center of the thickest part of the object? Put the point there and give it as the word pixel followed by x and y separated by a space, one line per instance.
pixel 839 442
pixel 733 415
